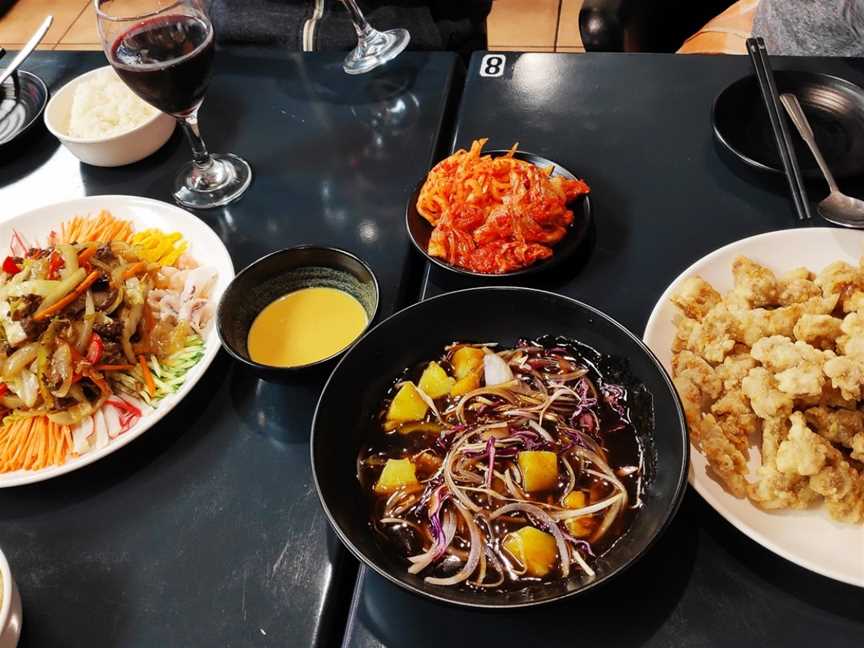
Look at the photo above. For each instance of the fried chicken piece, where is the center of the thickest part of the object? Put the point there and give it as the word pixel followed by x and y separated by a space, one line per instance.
pixel 687 363
pixel 853 325
pixel 766 400
pixel 735 416
pixel 855 302
pixel 724 456
pixel 819 305
pixel 735 366
pixel 843 489
pixel 819 331
pixel 846 374
pixel 695 297
pixel 797 286
pixel 773 489
pixel 753 282
pixel 840 278
pixel 698 387
pixel 850 345
pixel 751 325
pixel 803 452
pixel 684 329
pixel 712 338
pixel 837 426
pixel 798 365
pixel 857 446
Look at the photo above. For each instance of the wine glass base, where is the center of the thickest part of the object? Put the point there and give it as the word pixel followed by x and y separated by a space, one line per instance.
pixel 223 182
pixel 375 49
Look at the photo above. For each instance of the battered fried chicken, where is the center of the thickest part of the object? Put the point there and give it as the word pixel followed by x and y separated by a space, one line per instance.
pixel 770 363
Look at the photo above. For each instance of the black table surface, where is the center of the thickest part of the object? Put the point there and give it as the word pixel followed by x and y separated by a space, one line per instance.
pixel 207 530
pixel 638 128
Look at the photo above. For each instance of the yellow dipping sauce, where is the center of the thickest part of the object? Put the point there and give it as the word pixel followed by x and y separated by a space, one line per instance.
pixel 305 326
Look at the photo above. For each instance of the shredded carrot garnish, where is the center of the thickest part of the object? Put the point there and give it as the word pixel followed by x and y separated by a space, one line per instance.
pixel 89 280
pixel 114 367
pixel 148 376
pixel 135 268
pixel 86 254
pixel 103 227
pixel 33 443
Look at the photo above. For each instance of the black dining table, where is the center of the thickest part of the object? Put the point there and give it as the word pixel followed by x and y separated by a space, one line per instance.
pixel 206 531
pixel 638 128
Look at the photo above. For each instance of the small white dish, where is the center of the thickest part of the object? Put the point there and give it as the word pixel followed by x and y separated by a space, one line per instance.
pixel 117 150
pixel 809 538
pixel 11 614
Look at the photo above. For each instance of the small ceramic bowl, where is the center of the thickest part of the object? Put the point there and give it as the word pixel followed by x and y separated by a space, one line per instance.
pixel 277 274
pixel 11 616
pixel 117 150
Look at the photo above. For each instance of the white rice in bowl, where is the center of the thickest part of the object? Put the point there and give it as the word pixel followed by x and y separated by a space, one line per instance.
pixel 103 106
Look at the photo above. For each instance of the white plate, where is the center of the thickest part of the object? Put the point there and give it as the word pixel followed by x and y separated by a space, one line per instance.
pixel 809 538
pixel 204 246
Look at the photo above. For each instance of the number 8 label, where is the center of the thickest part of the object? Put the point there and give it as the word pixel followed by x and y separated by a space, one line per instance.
pixel 492 65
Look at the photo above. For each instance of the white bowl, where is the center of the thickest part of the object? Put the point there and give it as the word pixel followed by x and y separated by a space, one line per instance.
pixel 11 616
pixel 117 150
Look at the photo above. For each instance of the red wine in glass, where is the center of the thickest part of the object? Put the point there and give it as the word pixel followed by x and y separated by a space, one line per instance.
pixel 167 61
pixel 163 50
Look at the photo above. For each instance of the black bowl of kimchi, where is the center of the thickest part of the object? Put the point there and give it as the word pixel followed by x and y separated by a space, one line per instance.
pixel 563 252
pixel 348 422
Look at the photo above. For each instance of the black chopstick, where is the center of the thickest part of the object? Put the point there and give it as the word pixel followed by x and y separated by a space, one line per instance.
pixel 2 52
pixel 759 56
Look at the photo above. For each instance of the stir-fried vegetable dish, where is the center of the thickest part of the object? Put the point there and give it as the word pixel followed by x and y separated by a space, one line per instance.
pixel 496 468
pixel 96 326
pixel 495 214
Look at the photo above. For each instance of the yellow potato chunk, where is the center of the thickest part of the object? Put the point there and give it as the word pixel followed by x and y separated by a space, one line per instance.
pixel 407 405
pixel 466 360
pixel 575 500
pixel 580 527
pixel 435 381
pixel 533 549
pixel 466 384
pixel 397 473
pixel 539 470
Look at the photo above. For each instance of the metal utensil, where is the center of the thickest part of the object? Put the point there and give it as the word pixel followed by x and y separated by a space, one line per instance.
pixel 837 208
pixel 21 56
pixel 759 56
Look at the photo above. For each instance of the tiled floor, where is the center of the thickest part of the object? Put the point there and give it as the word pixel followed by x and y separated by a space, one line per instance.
pixel 529 25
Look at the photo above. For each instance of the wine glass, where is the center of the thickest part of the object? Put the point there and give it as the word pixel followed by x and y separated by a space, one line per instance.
pixel 374 48
pixel 163 50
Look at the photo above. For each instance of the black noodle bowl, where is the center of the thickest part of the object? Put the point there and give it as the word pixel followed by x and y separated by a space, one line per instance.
pixel 347 423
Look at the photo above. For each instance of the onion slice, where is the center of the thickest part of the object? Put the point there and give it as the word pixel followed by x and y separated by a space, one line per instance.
pixel 495 370
pixel 473 555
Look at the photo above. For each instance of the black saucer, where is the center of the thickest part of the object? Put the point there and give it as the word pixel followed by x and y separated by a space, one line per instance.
pixel 420 230
pixel 834 107
pixel 22 99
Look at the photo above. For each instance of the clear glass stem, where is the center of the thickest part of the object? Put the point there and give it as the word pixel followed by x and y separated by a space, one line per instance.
pixel 200 156
pixel 360 25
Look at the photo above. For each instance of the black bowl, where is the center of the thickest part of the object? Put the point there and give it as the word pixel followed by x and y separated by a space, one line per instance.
pixel 420 230
pixel 22 99
pixel 351 397
pixel 834 108
pixel 276 274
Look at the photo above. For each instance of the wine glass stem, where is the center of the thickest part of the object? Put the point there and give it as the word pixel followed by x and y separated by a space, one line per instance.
pixel 200 156
pixel 360 25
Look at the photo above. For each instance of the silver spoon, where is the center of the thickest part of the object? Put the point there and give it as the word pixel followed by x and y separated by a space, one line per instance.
pixel 837 208
pixel 35 39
